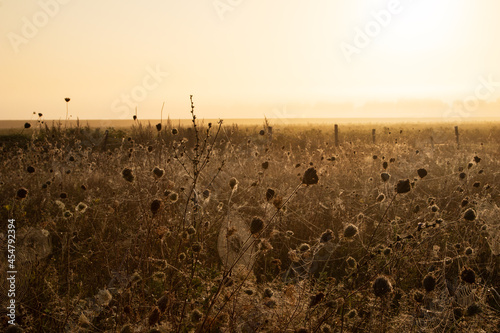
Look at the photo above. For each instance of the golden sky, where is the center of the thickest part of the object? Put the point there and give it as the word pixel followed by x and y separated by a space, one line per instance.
pixel 245 59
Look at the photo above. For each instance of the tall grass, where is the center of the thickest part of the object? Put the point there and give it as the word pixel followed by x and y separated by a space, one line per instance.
pixel 217 228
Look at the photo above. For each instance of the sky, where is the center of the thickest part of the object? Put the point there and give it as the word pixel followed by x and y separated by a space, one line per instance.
pixel 249 59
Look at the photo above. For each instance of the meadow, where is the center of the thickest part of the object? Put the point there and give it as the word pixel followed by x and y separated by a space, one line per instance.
pixel 225 228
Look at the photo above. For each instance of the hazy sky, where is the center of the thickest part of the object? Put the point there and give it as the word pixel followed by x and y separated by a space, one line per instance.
pixel 242 58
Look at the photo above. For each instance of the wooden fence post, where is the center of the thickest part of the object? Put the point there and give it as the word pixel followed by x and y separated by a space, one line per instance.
pixel 373 135
pixel 336 135
pixel 457 137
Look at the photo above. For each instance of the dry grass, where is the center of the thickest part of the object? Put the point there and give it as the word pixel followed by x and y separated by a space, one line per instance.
pixel 173 244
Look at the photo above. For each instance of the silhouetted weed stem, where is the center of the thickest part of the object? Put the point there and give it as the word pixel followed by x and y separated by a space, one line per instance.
pixel 188 290
pixel 230 296
pixel 294 310
pixel 378 225
pixel 245 248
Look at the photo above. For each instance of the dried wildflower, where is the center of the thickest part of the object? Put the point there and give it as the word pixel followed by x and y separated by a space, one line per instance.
pixel 83 321
pixel 60 204
pixel 278 202
pixel 470 214
pixel 468 275
pixel 191 230
pixel 81 207
pixel 429 282
pixel 418 296
pixel 262 132
pixel 154 316
pixel 271 304
pixel 385 176
pixel 381 197
pixel 316 299
pixel 381 286
pixel 270 193
pixel 352 314
pixel 385 165
pixel 264 245
pixel 158 127
pixel 196 247
pixel 22 193
pixel 256 225
pixel 173 197
pixel 175 131
pixel 469 251
pixel 128 175
pixel 67 214
pixel 293 256
pixel 268 292
pixel 104 297
pixel 27 125
pixel 289 233
pixel 473 309
pixel 158 172
pixel 422 173
pixel 162 302
pixel 155 206
pixel 458 313
pixel 351 262
pixel 233 182
pixel 249 292
pixel 387 251
pixel 196 315
pixel 304 247
pixel 403 186
pixel 30 169
pixel 310 177
pixel 462 175
pixel 206 194
pixel 434 208
pixel 350 231
pixel 326 236
pixel 182 256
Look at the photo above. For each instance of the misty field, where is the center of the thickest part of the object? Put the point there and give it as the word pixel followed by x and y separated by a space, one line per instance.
pixel 226 228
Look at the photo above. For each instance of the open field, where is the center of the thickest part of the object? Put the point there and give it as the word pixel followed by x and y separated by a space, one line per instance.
pixel 232 228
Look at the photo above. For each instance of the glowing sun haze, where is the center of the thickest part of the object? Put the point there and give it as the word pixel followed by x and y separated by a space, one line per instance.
pixel 245 59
